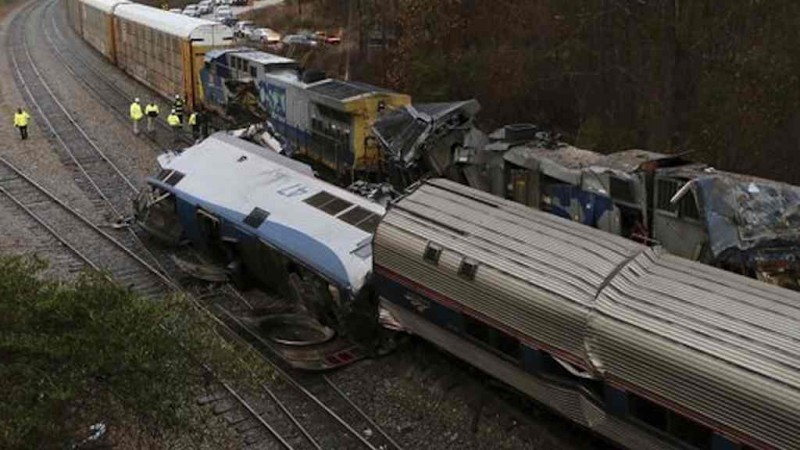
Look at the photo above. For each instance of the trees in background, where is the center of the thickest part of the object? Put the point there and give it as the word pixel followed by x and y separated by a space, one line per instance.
pixel 715 76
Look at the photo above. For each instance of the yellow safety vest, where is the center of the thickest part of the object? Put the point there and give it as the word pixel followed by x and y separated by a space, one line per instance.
pixel 151 108
pixel 136 111
pixel 173 120
pixel 193 119
pixel 21 119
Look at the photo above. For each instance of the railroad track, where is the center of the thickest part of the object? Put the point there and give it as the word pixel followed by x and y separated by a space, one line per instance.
pixel 88 244
pixel 85 245
pixel 273 416
pixel 85 68
pixel 315 397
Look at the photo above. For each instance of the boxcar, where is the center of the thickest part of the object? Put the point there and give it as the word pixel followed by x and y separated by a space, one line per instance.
pixel 74 15
pixel 97 24
pixel 165 51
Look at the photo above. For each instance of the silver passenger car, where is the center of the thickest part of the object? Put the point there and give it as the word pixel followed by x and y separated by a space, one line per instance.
pixel 648 349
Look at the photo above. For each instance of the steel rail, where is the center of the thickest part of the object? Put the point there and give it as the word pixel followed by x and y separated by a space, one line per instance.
pixel 72 120
pixel 255 414
pixel 88 261
pixel 299 387
pixel 91 180
pixel 72 211
pixel 232 334
pixel 361 413
pixel 167 280
pixel 100 76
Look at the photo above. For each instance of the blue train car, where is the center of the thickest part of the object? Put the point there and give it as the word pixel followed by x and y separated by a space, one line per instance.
pixel 267 218
pixel 231 77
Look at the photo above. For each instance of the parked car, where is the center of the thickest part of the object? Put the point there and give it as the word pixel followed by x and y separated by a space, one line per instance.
pixel 299 39
pixel 223 9
pixel 243 28
pixel 321 36
pixel 265 35
pixel 229 20
pixel 176 10
pixel 205 6
pixel 191 11
pixel 239 2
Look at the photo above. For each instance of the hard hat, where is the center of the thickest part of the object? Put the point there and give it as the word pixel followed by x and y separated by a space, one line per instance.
pixel 173 111
pixel 136 100
pixel 177 96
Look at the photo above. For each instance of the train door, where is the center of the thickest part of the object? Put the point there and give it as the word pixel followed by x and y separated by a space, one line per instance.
pixel 677 223
pixel 523 186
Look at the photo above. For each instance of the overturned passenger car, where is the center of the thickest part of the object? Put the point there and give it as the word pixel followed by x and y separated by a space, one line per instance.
pixel 267 219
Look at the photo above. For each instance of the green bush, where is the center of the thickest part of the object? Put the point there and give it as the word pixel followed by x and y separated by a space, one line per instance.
pixel 73 354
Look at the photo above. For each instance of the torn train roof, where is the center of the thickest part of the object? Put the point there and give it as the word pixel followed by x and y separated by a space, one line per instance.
pixel 742 211
pixel 405 131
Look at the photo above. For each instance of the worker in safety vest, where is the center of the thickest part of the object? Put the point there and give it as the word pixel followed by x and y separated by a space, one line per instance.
pixel 136 114
pixel 178 105
pixel 175 123
pixel 193 121
pixel 151 111
pixel 21 119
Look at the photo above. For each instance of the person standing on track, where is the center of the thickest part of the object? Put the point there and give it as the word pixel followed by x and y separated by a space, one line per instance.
pixel 178 106
pixel 21 119
pixel 136 115
pixel 193 121
pixel 175 123
pixel 151 111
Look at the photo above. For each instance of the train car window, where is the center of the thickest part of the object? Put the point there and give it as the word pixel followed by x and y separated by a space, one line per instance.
pixel 432 253
pixel 330 113
pixel 689 431
pixel 256 217
pixel 468 268
pixel 648 412
pixel 621 190
pixel 686 206
pixel 477 330
pixel 666 189
pixel 173 178
pixel 507 344
pixel 253 72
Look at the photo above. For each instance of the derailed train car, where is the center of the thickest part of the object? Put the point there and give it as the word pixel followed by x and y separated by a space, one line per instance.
pixel 647 349
pixel 268 219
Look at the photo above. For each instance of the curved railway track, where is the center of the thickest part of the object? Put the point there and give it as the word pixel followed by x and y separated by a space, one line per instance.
pixel 92 247
pixel 84 68
pixel 264 418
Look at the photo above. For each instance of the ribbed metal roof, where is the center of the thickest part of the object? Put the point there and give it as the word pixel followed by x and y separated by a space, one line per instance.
pixel 106 6
pixel 205 32
pixel 538 274
pixel 715 346
pixel 571 255
pixel 724 345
